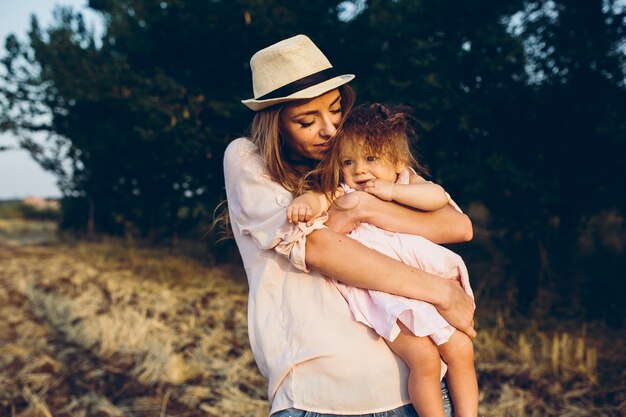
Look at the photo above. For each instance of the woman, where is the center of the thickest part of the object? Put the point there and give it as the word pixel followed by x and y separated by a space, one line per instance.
pixel 316 358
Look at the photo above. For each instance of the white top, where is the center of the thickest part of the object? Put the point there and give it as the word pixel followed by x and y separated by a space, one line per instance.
pixel 305 341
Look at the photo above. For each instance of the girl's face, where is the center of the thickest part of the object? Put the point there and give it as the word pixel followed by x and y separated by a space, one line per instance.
pixel 307 126
pixel 358 167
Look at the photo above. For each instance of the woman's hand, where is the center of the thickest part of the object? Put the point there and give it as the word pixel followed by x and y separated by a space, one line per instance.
pixel 345 215
pixel 457 308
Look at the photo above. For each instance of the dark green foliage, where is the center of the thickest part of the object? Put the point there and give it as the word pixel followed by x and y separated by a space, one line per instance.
pixel 529 120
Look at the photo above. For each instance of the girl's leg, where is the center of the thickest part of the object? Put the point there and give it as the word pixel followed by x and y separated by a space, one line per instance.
pixel 422 357
pixel 458 353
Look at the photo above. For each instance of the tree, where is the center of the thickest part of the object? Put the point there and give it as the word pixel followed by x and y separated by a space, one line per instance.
pixel 569 146
pixel 137 121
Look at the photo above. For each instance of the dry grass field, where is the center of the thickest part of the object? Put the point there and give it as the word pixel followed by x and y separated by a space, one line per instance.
pixel 108 329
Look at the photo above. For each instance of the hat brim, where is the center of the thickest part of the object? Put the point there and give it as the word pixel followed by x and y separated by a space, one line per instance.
pixel 310 92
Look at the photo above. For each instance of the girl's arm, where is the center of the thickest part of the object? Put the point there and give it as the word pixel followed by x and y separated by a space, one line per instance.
pixel 334 254
pixel 421 195
pixel 446 225
pixel 306 207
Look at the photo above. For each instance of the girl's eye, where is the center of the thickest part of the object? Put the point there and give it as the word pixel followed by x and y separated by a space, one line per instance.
pixel 347 162
pixel 371 158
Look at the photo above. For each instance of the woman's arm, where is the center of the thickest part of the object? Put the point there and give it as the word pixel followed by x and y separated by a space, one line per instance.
pixel 445 225
pixel 333 254
pixel 258 212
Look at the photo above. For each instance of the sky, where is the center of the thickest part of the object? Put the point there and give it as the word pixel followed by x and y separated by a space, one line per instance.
pixel 20 176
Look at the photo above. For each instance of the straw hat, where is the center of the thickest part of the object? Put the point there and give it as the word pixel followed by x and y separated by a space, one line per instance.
pixel 291 69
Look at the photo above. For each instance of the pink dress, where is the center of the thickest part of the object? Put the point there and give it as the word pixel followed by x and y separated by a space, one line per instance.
pixel 380 310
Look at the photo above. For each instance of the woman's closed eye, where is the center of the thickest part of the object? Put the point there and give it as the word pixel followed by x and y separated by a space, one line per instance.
pixel 303 123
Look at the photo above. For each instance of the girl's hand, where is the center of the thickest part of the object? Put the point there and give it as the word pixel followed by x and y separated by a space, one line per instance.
pixel 380 188
pixel 299 212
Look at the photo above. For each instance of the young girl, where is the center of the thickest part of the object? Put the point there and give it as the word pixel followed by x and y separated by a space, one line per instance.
pixel 372 154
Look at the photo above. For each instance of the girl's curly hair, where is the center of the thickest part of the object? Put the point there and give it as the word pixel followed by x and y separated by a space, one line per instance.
pixel 381 130
pixel 384 131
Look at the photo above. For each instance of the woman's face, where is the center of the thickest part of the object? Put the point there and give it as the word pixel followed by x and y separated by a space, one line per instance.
pixel 307 126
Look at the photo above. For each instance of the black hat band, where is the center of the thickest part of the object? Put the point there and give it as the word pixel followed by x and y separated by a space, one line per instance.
pixel 301 84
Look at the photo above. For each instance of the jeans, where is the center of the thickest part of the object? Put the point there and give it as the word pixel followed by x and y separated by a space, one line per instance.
pixel 405 411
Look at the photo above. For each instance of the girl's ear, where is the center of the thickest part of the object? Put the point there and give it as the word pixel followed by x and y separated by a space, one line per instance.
pixel 399 167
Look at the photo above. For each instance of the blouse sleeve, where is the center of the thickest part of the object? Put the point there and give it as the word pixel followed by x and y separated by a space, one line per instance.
pixel 258 205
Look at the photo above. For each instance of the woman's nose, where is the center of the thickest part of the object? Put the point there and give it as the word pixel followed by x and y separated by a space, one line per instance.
pixel 328 129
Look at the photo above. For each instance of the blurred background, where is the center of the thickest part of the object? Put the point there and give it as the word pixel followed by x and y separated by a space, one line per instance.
pixel 128 105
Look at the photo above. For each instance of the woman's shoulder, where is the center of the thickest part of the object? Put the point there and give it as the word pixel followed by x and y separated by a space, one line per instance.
pixel 241 151
pixel 241 146
pixel 242 157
